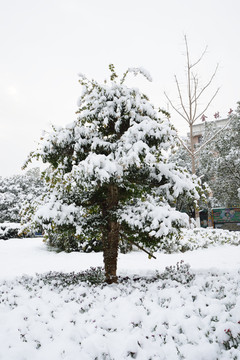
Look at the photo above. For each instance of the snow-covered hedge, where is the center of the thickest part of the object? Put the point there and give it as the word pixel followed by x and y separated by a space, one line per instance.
pixel 198 238
pixel 165 319
pixel 192 239
pixel 9 230
pixel 189 239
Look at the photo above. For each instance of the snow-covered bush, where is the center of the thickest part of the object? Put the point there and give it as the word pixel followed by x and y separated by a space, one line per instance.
pixel 94 275
pixel 179 272
pixel 198 238
pixel 69 314
pixel 9 230
pixel 193 239
pixel 109 173
pixel 233 338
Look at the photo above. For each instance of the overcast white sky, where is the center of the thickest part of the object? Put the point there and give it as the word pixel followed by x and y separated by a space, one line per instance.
pixel 45 44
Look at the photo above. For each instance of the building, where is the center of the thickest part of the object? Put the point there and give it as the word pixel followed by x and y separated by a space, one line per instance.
pixel 198 129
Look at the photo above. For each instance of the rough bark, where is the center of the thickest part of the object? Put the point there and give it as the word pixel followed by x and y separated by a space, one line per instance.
pixel 110 235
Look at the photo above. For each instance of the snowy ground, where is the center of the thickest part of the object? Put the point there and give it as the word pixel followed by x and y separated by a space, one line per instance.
pixel 165 319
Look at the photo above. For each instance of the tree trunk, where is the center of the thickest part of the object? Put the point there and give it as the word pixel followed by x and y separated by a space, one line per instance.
pixel 197 215
pixel 111 236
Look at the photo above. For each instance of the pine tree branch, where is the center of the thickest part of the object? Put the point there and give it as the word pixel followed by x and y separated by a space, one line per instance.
pixel 140 247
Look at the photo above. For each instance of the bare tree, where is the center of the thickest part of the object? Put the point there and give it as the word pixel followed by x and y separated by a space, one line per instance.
pixel 190 109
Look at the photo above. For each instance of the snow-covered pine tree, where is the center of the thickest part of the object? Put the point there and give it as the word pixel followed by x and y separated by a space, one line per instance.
pixel 110 177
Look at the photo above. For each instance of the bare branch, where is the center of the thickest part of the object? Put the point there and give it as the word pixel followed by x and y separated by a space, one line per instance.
pixel 195 83
pixel 185 146
pixel 187 53
pixel 189 89
pixel 181 100
pixel 208 84
pixel 174 107
pixel 209 103
pixel 194 98
pixel 200 58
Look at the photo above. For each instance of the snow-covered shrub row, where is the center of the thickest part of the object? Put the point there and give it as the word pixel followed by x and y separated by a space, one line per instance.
pixel 198 238
pixel 203 238
pixel 9 230
pixel 163 319
pixel 188 239
pixel 95 275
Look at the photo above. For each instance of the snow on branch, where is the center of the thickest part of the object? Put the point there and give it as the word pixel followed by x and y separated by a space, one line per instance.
pixel 142 71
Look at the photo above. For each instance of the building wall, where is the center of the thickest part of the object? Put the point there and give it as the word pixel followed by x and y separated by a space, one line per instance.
pixel 198 129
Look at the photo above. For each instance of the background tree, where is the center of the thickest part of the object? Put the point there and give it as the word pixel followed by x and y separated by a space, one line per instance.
pixel 224 164
pixel 17 190
pixel 109 175
pixel 190 108
pixel 218 162
pixel 181 157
